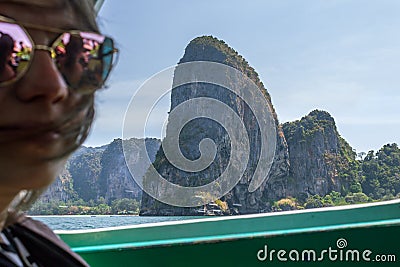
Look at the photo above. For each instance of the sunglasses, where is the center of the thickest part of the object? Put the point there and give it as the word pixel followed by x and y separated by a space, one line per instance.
pixel 84 59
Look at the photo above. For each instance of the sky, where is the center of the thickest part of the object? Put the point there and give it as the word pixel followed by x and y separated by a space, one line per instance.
pixel 339 56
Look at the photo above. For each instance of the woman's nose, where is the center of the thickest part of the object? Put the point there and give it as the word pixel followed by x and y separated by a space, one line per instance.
pixel 42 81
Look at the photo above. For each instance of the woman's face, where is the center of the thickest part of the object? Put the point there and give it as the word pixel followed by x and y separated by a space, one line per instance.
pixel 30 109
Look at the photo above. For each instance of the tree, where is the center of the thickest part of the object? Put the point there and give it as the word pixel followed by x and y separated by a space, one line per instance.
pixel 381 172
pixel 125 206
pixel 357 198
pixel 314 201
pixel 285 204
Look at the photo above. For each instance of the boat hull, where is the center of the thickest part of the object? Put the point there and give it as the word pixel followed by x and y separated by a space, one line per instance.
pixel 346 236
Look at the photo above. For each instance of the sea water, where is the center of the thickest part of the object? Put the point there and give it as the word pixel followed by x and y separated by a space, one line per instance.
pixel 78 222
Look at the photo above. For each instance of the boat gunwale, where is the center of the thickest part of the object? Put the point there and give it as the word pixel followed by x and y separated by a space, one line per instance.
pixel 228 218
pixel 229 237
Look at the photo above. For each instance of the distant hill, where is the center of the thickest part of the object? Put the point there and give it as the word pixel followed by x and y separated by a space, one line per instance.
pixel 101 172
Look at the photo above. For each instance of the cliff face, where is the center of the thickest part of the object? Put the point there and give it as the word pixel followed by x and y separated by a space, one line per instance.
pixel 61 189
pixel 319 157
pixel 92 173
pixel 85 167
pixel 115 180
pixel 211 49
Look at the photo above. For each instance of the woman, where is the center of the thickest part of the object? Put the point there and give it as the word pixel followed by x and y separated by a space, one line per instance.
pixel 6 50
pixel 44 117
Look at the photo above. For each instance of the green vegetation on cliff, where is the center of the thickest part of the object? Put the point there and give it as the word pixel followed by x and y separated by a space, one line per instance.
pixel 381 173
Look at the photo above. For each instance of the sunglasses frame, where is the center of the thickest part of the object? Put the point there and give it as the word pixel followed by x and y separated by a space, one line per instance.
pixel 51 49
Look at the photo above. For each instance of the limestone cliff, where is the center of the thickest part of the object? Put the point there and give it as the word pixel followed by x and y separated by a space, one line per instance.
pixel 208 48
pixel 92 173
pixel 320 160
pixel 115 180
pixel 85 167
pixel 61 189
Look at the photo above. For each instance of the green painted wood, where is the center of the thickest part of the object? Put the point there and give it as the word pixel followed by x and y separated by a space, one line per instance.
pixel 235 241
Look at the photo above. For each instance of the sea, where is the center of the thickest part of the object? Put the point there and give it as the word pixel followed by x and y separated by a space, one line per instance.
pixel 80 222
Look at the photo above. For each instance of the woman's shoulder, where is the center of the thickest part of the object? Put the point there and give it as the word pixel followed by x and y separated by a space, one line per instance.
pixel 31 224
pixel 42 243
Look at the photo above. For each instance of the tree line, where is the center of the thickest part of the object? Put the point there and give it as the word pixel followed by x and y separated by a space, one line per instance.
pixel 124 206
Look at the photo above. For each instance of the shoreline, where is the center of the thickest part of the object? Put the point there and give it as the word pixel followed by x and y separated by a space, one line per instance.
pixel 83 216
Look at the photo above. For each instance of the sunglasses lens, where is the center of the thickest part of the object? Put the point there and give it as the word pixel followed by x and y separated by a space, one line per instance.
pixel 84 59
pixel 108 55
pixel 15 52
